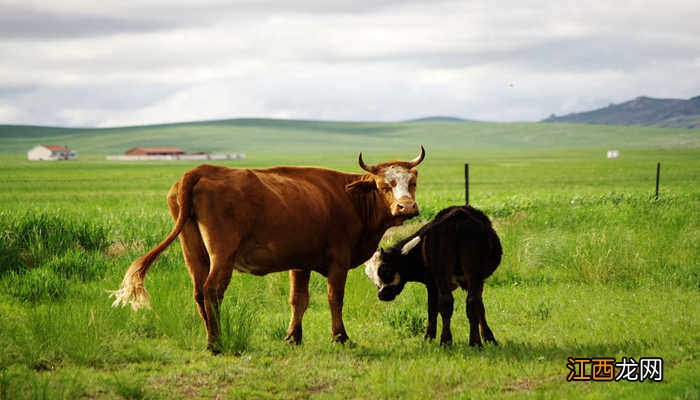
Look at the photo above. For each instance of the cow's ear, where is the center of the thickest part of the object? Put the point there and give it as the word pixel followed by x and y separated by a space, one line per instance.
pixel 361 186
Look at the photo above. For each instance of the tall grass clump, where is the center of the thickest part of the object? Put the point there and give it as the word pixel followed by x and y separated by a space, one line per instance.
pixel 406 321
pixel 42 254
pixel 36 285
pixel 627 240
pixel 239 323
pixel 30 240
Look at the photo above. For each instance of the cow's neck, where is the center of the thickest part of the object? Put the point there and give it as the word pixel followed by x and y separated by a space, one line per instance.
pixel 373 212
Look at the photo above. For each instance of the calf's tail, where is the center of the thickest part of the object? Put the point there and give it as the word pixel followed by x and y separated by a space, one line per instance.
pixel 132 290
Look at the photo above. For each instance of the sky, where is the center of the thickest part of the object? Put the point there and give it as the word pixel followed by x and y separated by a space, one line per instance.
pixel 116 63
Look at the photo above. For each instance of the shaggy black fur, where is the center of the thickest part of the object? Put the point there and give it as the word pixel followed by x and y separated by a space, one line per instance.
pixel 457 248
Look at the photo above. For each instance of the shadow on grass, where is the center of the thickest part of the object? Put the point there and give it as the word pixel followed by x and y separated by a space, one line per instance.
pixel 506 351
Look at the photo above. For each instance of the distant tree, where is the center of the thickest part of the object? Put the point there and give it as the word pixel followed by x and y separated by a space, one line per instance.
pixel 552 116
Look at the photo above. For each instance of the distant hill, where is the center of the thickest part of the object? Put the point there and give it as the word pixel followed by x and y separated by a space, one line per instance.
pixel 439 118
pixel 667 113
pixel 286 137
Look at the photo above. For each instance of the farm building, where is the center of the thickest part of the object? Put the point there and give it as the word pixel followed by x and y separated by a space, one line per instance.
pixel 51 152
pixel 171 154
pixel 154 151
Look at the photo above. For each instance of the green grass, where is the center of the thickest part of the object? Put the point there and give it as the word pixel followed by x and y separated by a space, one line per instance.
pixel 593 266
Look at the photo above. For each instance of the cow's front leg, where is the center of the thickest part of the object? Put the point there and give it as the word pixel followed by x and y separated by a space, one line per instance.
pixel 431 328
pixel 298 300
pixel 336 290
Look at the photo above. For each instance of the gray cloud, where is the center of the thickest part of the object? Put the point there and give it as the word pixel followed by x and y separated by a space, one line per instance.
pixel 109 63
pixel 23 23
pixel 571 54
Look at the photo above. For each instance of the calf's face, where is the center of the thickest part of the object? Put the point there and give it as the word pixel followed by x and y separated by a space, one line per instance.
pixel 384 270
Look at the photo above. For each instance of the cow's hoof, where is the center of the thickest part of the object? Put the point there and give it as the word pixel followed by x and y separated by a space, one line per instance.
pixel 293 339
pixel 215 348
pixel 429 334
pixel 340 338
pixel 474 343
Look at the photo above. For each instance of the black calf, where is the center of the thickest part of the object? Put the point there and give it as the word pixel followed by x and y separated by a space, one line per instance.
pixel 457 248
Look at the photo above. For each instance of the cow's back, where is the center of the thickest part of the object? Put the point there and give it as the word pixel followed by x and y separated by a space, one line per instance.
pixel 285 216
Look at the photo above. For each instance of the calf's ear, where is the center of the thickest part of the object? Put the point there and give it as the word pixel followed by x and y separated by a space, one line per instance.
pixel 361 186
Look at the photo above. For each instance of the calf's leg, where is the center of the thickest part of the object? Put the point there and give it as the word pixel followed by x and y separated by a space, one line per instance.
pixel 474 316
pixel 486 333
pixel 446 308
pixel 298 300
pixel 431 328
pixel 476 313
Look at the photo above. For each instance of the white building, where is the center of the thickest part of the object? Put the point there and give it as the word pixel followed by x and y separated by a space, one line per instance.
pixel 51 153
pixel 613 153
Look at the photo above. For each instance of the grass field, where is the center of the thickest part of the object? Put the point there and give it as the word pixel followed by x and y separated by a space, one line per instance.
pixel 593 266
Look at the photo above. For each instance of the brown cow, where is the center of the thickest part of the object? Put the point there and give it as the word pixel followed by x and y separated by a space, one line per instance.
pixel 258 221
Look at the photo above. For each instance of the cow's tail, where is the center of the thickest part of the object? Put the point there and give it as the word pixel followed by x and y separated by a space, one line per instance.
pixel 132 290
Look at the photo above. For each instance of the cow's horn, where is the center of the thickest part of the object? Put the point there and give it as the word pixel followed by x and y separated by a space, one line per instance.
pixel 364 166
pixel 418 159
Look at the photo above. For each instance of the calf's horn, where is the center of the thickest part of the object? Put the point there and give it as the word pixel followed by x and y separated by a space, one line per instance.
pixel 418 159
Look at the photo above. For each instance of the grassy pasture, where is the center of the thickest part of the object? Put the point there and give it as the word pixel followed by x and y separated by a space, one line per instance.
pixel 593 267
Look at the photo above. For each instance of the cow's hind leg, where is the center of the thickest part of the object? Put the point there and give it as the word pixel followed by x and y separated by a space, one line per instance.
pixel 197 260
pixel 194 252
pixel 214 288
pixel 298 300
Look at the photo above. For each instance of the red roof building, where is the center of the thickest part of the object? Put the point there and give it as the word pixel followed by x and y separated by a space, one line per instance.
pixel 154 151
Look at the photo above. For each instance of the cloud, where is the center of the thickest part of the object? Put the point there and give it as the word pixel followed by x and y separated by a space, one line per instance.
pixel 18 23
pixel 111 63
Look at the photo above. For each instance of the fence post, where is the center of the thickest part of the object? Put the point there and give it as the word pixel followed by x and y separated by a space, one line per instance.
pixel 466 183
pixel 658 175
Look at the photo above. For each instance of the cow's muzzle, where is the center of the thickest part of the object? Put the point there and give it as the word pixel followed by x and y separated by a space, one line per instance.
pixel 405 208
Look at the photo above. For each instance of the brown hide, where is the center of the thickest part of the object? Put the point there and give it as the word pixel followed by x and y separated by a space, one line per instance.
pixel 284 218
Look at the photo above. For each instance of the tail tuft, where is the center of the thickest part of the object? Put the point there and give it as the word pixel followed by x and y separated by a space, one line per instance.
pixel 131 290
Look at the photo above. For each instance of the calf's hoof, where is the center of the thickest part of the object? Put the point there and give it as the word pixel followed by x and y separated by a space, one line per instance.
pixel 429 334
pixel 445 340
pixel 491 340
